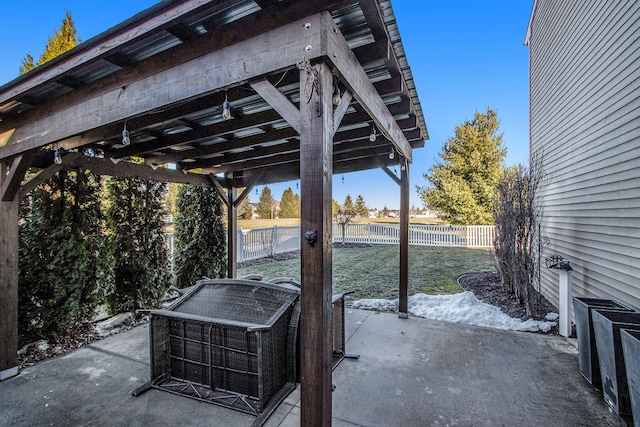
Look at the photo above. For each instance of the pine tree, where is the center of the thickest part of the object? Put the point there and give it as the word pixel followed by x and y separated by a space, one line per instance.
pixel 361 207
pixel 463 186
pixel 244 209
pixel 200 236
pixel 289 205
pixel 65 265
pixel 27 64
pixel 335 208
pixel 348 207
pixel 141 269
pixel 266 205
pixel 345 215
pixel 61 41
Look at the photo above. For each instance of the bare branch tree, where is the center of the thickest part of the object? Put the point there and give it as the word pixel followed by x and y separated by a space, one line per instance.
pixel 517 216
pixel 269 240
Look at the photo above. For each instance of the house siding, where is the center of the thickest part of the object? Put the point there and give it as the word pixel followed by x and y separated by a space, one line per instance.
pixel 585 126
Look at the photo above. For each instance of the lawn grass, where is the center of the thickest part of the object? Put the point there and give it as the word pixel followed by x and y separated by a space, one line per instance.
pixel 373 271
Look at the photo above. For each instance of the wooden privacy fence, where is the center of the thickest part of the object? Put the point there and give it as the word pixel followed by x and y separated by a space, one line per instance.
pixel 263 242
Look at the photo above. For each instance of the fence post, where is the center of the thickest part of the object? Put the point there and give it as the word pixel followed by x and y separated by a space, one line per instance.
pixel 240 249
pixel 274 239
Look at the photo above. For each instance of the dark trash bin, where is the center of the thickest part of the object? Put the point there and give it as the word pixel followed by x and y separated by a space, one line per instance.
pixel 606 326
pixel 588 357
pixel 631 350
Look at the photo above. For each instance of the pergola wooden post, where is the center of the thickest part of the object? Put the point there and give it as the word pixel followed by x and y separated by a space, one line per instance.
pixel 8 288
pixel 232 233
pixel 403 308
pixel 11 175
pixel 316 160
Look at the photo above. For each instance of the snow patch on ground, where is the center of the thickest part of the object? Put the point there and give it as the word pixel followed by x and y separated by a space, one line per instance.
pixel 462 308
pixel 94 373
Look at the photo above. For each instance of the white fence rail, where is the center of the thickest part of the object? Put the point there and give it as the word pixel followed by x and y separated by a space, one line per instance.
pixel 262 242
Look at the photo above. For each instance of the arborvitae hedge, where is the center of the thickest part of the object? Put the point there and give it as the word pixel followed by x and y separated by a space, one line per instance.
pixel 141 268
pixel 64 267
pixel 200 241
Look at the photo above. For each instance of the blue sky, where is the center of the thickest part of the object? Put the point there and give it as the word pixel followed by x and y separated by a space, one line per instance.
pixel 465 55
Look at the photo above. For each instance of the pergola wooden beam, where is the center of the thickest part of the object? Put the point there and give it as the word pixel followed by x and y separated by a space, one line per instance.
pixel 135 170
pixel 122 169
pixel 13 177
pixel 350 72
pixel 220 147
pixel 248 59
pixel 198 135
pixel 125 36
pixel 278 102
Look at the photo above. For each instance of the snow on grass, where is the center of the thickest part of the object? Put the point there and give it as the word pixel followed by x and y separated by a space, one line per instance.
pixel 462 308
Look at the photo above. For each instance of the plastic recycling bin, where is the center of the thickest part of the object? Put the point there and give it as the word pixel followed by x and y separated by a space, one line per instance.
pixel 606 326
pixel 631 350
pixel 588 355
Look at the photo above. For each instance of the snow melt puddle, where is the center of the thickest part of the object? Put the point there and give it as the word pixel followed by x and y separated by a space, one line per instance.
pixel 462 308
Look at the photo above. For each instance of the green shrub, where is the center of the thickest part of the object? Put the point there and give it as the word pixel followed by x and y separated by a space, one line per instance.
pixel 200 240
pixel 64 266
pixel 141 265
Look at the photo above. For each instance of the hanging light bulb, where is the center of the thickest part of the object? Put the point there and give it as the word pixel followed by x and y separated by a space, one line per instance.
pixel 343 179
pixel 336 95
pixel 226 108
pixel 372 135
pixel 391 154
pixel 126 140
pixel 57 156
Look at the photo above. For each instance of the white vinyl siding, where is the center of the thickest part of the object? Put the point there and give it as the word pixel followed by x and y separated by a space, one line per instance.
pixel 585 122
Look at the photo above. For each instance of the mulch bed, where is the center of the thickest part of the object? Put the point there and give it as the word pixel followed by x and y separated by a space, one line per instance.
pixel 487 287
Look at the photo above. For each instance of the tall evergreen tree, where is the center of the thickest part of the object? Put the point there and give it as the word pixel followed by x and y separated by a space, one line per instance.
pixel 463 186
pixel 200 236
pixel 345 215
pixel 62 40
pixel 141 270
pixel 245 210
pixel 361 207
pixel 348 207
pixel 289 205
pixel 27 64
pixel 65 265
pixel 335 208
pixel 266 205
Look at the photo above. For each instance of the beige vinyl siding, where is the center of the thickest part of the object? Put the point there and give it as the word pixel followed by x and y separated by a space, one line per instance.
pixel 585 122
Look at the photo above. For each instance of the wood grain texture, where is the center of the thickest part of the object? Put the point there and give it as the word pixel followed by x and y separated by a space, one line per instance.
pixel 403 291
pixel 316 152
pixel 193 79
pixel 350 71
pixel 8 284
pixel 278 102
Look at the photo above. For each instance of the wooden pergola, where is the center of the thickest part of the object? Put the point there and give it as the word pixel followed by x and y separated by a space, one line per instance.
pixel 228 94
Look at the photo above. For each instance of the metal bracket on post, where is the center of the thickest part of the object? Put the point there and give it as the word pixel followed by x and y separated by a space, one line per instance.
pixel 556 262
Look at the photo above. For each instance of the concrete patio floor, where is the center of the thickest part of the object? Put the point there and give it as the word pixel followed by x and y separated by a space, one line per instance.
pixel 413 372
